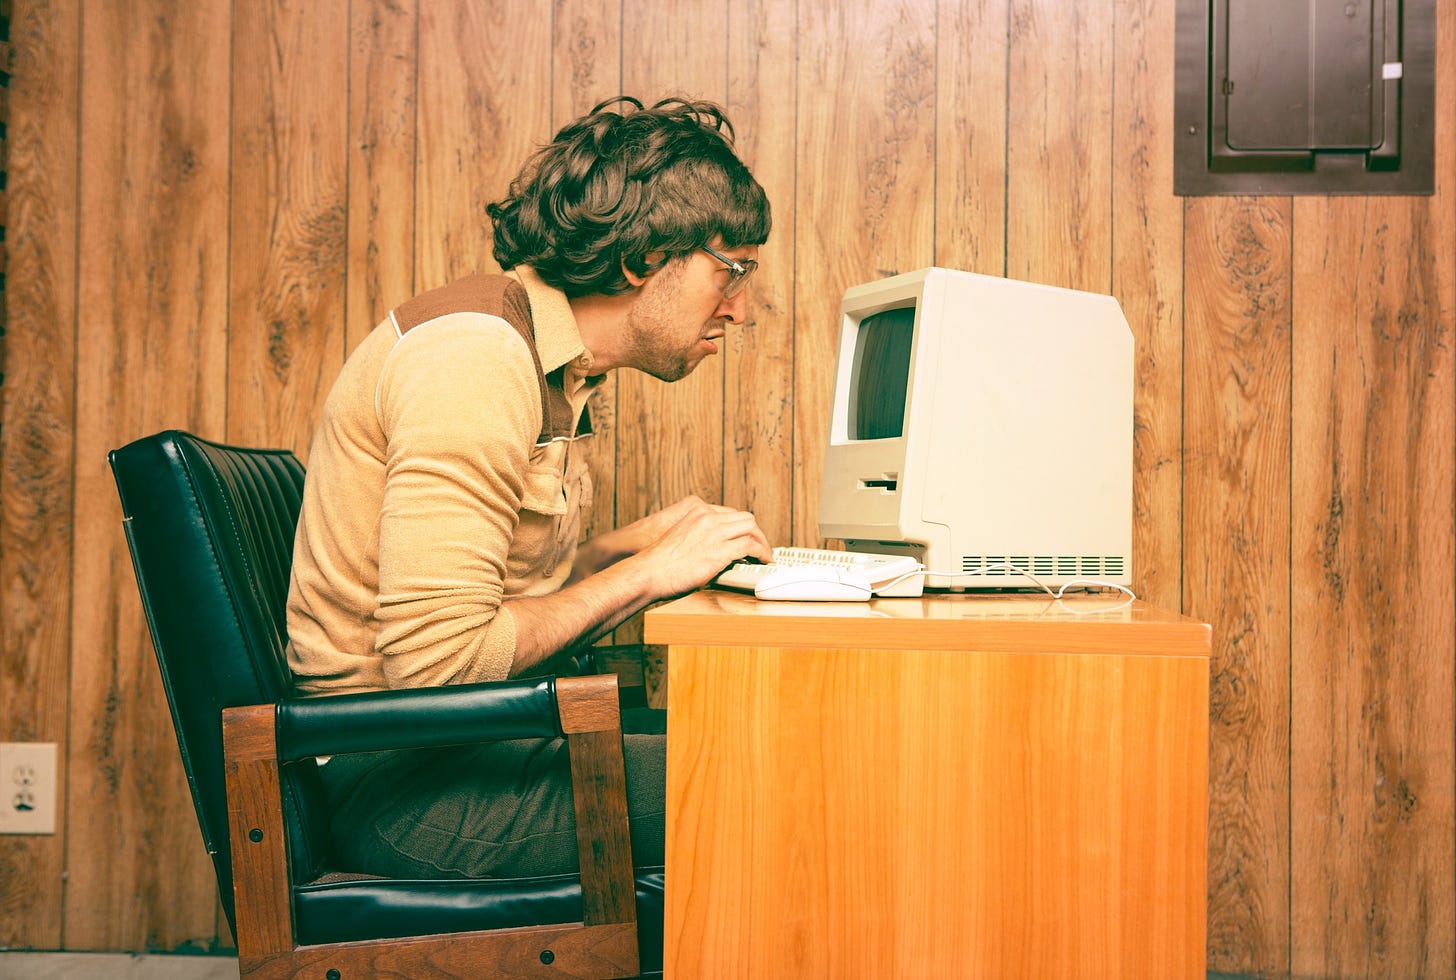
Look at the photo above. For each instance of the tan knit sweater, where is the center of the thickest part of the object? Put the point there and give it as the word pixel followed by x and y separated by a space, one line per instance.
pixel 428 499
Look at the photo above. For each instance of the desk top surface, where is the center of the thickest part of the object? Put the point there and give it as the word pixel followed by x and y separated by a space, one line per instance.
pixel 972 621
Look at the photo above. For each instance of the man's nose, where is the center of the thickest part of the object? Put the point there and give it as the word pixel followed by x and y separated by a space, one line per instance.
pixel 733 310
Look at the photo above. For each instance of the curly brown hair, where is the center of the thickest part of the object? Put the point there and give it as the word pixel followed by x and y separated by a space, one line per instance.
pixel 624 182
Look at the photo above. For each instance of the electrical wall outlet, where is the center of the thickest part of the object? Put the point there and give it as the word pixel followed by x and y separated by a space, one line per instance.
pixel 27 787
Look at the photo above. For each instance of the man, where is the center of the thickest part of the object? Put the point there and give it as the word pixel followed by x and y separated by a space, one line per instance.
pixel 438 541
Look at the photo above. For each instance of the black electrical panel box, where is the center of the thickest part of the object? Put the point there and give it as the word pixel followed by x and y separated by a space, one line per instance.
pixel 1304 97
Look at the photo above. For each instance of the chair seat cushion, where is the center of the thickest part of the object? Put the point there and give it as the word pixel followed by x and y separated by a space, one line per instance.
pixel 334 911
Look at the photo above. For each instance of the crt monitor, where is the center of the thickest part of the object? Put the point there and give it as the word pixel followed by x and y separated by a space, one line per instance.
pixel 979 423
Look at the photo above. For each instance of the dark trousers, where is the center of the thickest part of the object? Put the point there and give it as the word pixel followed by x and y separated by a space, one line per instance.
pixel 498 810
pixel 481 811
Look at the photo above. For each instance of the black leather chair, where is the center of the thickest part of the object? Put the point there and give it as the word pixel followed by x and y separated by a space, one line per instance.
pixel 210 528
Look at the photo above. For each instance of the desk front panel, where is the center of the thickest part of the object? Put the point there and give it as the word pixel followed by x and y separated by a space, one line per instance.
pixel 839 811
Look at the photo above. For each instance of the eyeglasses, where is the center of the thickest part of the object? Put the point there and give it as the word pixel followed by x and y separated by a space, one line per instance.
pixel 738 272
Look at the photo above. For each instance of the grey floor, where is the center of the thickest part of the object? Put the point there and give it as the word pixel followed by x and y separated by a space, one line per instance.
pixel 115 966
pixel 124 966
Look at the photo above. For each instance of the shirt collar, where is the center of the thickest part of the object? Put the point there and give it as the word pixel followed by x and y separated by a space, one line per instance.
pixel 558 339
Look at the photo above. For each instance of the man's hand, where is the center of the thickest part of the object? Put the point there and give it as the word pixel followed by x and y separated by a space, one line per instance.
pixel 700 540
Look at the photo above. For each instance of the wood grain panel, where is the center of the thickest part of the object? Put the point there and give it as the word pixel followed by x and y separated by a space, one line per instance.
pixel 670 437
pixel 37 440
pixel 1372 568
pixel 383 45
pixel 484 105
pixel 1059 144
pixel 866 156
pixel 758 359
pixel 289 226
pixel 586 58
pixel 970 138
pixel 586 69
pixel 151 354
pixel 1147 279
pixel 1373 770
pixel 1235 543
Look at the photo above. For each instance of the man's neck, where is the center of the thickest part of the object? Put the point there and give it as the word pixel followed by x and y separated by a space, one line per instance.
pixel 601 319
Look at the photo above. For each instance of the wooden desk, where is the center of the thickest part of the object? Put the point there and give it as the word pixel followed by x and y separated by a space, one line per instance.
pixel 959 786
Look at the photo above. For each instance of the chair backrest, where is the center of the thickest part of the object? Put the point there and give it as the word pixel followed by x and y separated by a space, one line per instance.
pixel 210 528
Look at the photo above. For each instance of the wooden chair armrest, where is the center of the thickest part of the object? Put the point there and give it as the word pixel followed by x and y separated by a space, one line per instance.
pixel 261 899
pixel 592 720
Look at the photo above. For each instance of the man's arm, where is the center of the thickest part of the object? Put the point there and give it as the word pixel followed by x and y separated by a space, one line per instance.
pixel 690 542
pixel 456 469
pixel 455 485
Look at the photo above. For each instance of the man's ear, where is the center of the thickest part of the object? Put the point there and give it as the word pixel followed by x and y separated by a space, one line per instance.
pixel 633 279
pixel 652 261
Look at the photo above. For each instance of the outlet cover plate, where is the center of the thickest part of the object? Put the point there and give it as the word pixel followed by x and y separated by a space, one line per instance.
pixel 28 787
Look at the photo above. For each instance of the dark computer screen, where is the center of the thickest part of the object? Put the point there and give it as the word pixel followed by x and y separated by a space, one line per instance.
pixel 881 374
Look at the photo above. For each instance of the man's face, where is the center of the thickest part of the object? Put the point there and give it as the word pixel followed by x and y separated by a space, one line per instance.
pixel 680 314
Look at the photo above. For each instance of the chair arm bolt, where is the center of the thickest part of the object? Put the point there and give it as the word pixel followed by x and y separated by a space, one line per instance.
pixel 333 975
pixel 255 835
pixel 547 956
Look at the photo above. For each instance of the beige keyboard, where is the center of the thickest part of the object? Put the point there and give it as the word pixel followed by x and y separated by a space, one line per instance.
pixel 879 570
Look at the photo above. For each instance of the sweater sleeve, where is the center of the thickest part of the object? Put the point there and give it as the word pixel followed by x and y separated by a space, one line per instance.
pixel 459 406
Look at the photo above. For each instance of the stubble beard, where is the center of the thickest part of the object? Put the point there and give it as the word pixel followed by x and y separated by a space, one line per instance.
pixel 652 343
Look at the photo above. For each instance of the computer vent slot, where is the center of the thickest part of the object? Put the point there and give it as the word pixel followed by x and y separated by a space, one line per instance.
pixel 1058 566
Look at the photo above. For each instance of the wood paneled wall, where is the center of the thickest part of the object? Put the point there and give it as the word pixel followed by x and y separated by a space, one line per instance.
pixel 210 204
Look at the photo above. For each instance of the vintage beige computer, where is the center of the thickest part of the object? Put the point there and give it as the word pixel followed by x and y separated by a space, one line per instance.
pixel 983 425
